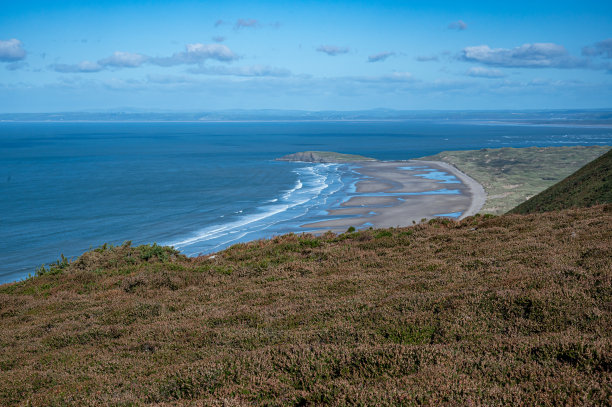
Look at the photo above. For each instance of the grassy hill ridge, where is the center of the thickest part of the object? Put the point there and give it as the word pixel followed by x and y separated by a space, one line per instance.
pixel 590 185
pixel 489 310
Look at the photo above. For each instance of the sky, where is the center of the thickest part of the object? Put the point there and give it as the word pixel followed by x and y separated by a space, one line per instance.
pixel 309 55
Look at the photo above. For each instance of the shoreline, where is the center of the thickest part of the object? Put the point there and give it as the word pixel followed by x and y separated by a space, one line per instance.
pixel 403 193
pixel 479 195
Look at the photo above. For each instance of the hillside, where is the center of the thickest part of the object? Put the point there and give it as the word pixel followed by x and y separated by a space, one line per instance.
pixel 510 176
pixel 510 310
pixel 590 185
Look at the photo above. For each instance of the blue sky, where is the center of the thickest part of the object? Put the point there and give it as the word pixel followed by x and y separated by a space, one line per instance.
pixel 312 55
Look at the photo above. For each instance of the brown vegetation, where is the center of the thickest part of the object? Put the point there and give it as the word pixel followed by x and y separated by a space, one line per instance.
pixel 510 310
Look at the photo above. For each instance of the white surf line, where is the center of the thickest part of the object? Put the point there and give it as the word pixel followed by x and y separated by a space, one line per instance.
pixel 477 192
pixel 217 231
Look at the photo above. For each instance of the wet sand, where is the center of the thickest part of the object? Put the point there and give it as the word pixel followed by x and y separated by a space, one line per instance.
pixel 391 195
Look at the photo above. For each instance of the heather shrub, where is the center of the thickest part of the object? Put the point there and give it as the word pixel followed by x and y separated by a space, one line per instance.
pixel 508 310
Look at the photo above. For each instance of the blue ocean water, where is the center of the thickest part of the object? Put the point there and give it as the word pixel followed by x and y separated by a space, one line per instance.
pixel 67 187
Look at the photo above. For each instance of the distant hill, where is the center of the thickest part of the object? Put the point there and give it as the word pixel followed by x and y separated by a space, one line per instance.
pixel 590 185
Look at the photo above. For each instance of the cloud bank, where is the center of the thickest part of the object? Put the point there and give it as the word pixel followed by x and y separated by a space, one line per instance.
pixel 538 55
pixel 12 50
pixel 193 54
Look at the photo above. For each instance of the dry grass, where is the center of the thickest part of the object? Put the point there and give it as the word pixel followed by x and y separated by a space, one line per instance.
pixel 511 310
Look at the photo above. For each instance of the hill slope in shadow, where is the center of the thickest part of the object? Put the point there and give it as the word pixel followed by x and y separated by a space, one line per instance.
pixel 590 185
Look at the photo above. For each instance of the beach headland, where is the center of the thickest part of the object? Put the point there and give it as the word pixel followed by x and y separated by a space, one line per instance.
pixel 397 193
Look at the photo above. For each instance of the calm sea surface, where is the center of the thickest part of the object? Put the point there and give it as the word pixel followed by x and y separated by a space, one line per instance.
pixel 67 187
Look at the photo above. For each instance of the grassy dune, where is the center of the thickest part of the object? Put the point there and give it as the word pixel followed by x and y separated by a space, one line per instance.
pixel 510 176
pixel 510 310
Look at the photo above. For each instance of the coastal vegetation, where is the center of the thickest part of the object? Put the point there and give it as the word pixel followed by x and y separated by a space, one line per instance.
pixel 324 157
pixel 510 176
pixel 590 185
pixel 508 310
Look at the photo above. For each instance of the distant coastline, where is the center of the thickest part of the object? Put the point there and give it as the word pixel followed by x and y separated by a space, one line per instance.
pixel 561 117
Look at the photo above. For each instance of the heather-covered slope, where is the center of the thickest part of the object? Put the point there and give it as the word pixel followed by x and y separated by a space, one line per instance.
pixel 510 310
pixel 590 185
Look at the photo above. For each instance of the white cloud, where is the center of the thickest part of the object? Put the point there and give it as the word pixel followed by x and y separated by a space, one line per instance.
pixel 333 50
pixel 197 53
pixel 480 72
pixel 12 50
pixel 193 54
pixel 538 55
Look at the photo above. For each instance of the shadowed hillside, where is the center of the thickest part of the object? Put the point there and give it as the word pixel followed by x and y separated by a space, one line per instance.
pixel 590 185
pixel 510 310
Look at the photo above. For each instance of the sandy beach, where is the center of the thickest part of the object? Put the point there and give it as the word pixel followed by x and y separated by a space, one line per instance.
pixel 401 193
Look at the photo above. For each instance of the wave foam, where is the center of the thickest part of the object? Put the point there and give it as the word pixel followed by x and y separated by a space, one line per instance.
pixel 311 183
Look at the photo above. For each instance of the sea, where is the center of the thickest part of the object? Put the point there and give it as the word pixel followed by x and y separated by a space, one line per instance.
pixel 68 187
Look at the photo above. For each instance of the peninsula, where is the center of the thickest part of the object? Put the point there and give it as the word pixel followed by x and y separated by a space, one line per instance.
pixel 324 157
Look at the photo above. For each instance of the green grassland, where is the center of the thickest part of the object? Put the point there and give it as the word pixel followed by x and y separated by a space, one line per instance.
pixel 324 156
pixel 510 176
pixel 509 310
pixel 590 185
